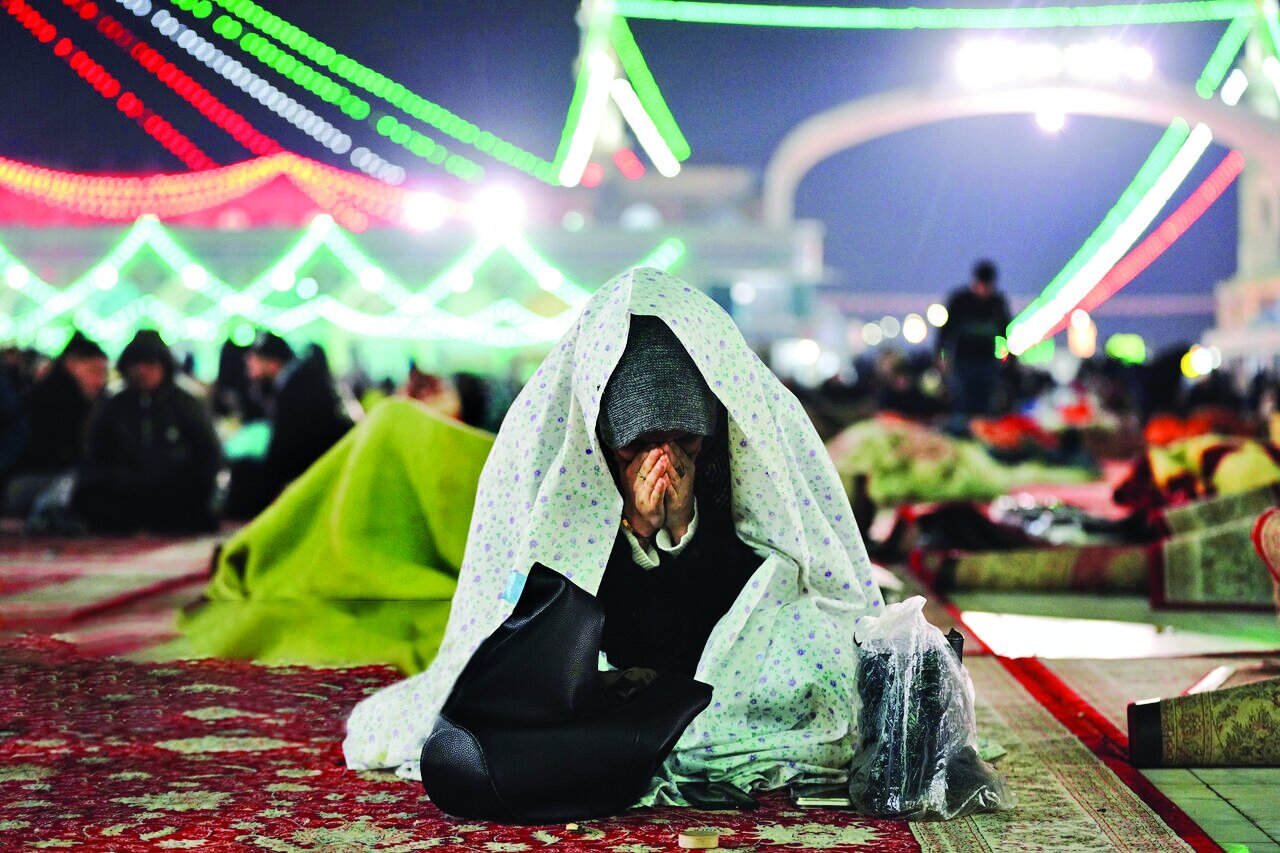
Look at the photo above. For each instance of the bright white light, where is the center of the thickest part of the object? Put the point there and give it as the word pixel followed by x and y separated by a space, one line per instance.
pixel 1032 330
pixel 1139 64
pixel 1080 318
pixel 871 334
pixel 573 221
pixel 282 281
pixel 1051 120
pixel 372 278
pixel 987 62
pixel 1271 70
pixel 1216 354
pixel 550 278
pixel 914 329
pixel 890 326
pixel 307 288
pixel 807 351
pixel 646 131
pixel 1233 89
pixel 105 277
pixel 600 74
pixel 1201 361
pixel 424 211
pixel 461 281
pixel 498 210
pixel 17 276
pixel 937 314
pixel 195 276
pixel 743 293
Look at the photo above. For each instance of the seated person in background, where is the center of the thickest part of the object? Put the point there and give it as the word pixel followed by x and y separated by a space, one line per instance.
pixel 433 392
pixel 57 411
pixel 152 454
pixel 307 417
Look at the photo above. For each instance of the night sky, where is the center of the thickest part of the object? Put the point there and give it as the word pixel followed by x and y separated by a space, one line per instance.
pixel 904 213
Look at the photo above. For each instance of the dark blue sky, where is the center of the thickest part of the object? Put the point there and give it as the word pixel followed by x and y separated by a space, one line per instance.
pixel 904 213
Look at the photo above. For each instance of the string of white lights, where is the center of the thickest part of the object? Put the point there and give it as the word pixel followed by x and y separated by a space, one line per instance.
pixel 265 93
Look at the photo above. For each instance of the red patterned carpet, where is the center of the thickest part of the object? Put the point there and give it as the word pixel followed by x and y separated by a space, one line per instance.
pixel 99 753
pixel 111 755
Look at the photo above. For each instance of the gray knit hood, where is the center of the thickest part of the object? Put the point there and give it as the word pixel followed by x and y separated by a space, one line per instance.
pixel 656 387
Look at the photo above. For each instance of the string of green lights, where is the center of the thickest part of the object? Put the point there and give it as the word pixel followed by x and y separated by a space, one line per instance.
pixel 637 71
pixel 831 17
pixel 413 314
pixel 1142 185
pixel 1155 165
pixel 379 85
pixel 1223 57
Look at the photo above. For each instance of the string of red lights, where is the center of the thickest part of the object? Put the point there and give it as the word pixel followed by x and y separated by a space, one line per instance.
pixel 209 106
pixel 108 86
pixel 351 199
pixel 1164 236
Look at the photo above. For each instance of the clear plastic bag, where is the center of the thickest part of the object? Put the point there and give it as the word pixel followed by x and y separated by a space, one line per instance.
pixel 917 753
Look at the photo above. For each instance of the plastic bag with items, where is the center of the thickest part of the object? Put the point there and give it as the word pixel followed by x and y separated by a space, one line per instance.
pixel 917 756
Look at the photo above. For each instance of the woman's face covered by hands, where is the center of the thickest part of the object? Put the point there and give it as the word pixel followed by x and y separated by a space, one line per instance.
pixel 656 474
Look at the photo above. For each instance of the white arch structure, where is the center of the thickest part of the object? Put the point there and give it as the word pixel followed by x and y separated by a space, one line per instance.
pixel 856 122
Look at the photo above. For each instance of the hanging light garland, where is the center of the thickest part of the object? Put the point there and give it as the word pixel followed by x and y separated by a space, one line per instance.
pixel 245 12
pixel 351 199
pixel 225 118
pixel 108 86
pixel 872 18
pixel 1165 235
pixel 413 314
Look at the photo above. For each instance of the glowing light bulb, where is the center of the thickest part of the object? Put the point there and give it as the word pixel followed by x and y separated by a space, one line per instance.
pixel 807 351
pixel 914 329
pixel 890 326
pixel 498 210
pixel 195 276
pixel 937 314
pixel 550 279
pixel 1233 89
pixel 424 211
pixel 743 293
pixel 106 277
pixel 1080 318
pixel 307 288
pixel 1051 120
pixel 871 334
pixel 17 276
pixel 282 281
pixel 372 279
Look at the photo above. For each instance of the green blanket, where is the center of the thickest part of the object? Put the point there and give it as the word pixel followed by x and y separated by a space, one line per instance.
pixel 356 562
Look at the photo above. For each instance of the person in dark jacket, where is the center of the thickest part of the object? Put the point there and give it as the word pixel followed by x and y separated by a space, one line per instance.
pixel 306 416
pixel 976 315
pixel 152 455
pixel 56 410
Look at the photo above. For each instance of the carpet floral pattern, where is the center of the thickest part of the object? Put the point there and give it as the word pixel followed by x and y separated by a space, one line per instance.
pixel 110 755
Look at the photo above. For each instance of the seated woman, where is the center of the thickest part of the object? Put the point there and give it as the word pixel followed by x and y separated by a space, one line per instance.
pixel 677 478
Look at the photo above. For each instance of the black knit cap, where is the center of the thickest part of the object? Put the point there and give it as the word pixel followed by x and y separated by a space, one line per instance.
pixel 271 345
pixel 985 271
pixel 81 347
pixel 656 387
pixel 146 346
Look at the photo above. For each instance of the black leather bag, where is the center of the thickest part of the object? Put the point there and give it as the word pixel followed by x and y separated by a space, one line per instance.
pixel 529 734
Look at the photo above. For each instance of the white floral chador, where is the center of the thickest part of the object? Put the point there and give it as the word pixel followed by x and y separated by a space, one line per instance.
pixel 782 660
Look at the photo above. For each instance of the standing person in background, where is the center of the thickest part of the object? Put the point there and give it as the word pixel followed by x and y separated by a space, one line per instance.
pixel 976 315
pixel 152 453
pixel 57 410
pixel 307 417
